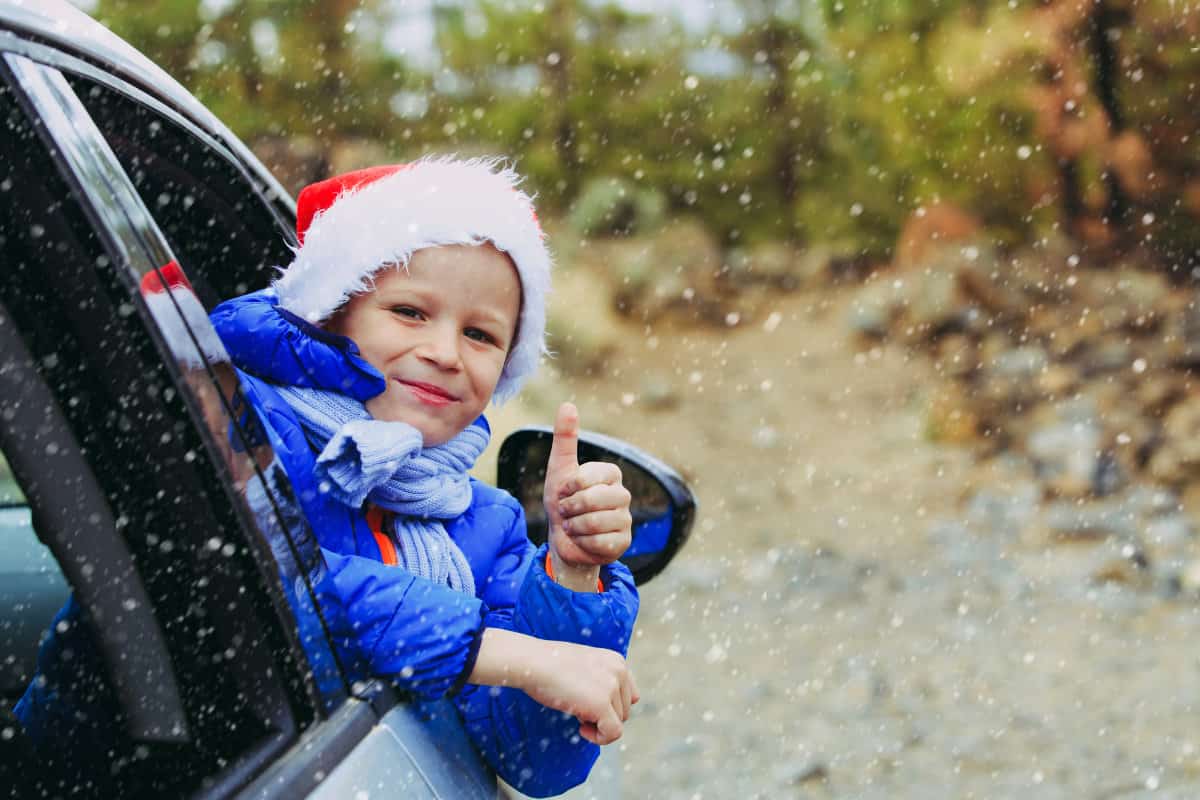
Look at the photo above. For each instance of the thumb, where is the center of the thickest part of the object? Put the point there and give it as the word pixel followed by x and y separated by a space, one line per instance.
pixel 564 450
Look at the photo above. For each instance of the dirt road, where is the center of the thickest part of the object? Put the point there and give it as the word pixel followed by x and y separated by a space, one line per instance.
pixel 832 630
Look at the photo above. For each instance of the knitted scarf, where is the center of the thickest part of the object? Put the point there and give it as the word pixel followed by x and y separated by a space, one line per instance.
pixel 362 458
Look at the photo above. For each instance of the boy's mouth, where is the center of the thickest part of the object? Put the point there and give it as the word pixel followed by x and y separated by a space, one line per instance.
pixel 428 393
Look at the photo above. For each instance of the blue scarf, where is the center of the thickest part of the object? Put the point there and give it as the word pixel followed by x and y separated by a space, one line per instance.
pixel 364 459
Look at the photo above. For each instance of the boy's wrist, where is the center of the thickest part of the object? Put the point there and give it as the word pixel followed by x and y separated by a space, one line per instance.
pixel 507 658
pixel 576 577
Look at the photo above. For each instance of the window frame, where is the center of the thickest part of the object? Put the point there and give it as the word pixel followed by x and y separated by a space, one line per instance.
pixel 128 240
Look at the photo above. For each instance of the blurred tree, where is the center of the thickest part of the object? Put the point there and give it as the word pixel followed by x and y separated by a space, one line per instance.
pixel 815 121
pixel 561 85
pixel 272 66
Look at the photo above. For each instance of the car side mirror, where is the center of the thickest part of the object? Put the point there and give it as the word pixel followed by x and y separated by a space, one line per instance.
pixel 663 506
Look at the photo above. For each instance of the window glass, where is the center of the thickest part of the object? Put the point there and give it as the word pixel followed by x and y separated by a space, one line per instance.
pixel 226 238
pixel 217 222
pixel 228 654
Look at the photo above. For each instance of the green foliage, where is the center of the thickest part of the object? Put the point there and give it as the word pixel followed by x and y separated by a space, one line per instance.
pixel 272 66
pixel 612 206
pixel 813 122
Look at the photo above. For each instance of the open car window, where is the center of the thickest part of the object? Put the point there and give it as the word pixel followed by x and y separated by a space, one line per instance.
pixel 134 469
pixel 219 236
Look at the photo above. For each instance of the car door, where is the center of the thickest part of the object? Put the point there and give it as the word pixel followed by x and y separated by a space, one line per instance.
pixel 104 187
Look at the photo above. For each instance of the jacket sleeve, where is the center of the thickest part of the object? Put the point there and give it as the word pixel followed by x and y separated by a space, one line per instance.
pixel 535 749
pixel 396 625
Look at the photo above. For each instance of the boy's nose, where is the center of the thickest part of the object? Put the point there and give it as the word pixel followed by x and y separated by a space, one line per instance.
pixel 440 348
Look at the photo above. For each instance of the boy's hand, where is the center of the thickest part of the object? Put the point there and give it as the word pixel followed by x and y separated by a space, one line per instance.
pixel 587 508
pixel 592 684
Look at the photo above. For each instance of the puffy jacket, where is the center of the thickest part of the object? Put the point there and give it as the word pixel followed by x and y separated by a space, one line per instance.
pixel 385 621
pixel 396 625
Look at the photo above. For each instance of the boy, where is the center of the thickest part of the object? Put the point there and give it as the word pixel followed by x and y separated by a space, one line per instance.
pixel 417 295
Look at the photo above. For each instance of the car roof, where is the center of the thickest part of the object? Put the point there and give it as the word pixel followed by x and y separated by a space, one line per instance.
pixel 66 28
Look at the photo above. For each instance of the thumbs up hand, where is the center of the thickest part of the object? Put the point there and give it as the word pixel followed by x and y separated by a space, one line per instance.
pixel 587 507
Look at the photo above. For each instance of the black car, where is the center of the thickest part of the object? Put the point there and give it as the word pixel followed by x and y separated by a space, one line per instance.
pixel 131 461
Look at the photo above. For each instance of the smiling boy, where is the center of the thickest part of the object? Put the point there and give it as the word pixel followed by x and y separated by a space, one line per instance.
pixel 416 298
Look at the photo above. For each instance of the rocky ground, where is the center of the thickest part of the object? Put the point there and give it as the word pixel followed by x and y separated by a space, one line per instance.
pixel 866 610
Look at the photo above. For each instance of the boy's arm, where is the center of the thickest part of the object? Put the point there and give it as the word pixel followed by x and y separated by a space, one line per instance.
pixel 395 625
pixel 537 749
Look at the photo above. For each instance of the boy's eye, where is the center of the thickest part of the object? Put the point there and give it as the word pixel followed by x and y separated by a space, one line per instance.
pixel 406 311
pixel 479 335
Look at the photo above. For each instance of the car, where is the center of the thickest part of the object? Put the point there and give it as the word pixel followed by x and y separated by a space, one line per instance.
pixel 136 484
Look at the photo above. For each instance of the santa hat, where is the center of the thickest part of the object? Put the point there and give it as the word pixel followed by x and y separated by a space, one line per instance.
pixel 181 317
pixel 351 226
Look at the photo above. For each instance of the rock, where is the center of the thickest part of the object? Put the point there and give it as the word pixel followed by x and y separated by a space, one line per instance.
pixel 774 264
pixel 1157 391
pixel 1181 339
pixel 873 310
pixel 930 228
pixel 1110 475
pixel 1043 322
pixel 951 417
pixel 1189 577
pixel 1150 501
pixel 1123 562
pixel 1129 437
pixel 1059 380
pixel 1020 364
pixel 814 266
pixel 807 771
pixel 609 205
pixel 1033 276
pixel 1071 521
pixel 980 282
pixel 1067 456
pixel 1003 514
pixel 1077 335
pixel 1170 542
pixel 956 356
pixel 1177 461
pixel 934 303
pixel 582 333
pixel 677 271
pixel 1131 295
pixel 1105 356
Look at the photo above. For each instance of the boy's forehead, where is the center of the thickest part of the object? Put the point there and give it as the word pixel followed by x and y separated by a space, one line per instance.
pixel 471 270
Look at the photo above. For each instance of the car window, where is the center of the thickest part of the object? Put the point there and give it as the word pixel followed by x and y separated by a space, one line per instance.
pixel 224 237
pixel 65 298
pixel 217 221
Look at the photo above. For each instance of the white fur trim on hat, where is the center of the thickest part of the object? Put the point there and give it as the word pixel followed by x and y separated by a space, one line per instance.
pixel 432 202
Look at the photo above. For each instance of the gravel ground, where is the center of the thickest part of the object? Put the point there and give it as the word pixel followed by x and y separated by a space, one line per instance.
pixel 836 627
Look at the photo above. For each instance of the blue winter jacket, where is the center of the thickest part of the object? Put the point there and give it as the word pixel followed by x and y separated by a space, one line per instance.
pixel 393 624
pixel 385 622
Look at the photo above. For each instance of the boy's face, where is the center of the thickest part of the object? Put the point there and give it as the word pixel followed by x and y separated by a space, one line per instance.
pixel 439 333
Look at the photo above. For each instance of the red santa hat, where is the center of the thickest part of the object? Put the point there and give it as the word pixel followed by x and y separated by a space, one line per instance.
pixel 352 225
pixel 181 317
